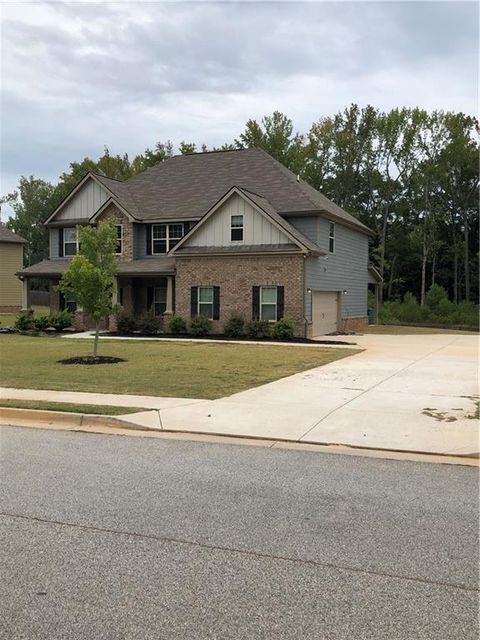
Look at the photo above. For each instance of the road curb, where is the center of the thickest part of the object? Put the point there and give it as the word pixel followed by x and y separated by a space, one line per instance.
pixel 13 417
pixel 96 423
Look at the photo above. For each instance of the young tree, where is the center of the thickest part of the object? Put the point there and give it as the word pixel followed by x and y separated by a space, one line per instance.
pixel 90 279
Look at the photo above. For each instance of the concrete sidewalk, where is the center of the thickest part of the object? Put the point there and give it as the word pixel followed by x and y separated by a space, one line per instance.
pixel 406 393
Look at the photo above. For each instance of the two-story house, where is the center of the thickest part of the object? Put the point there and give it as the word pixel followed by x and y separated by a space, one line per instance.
pixel 216 233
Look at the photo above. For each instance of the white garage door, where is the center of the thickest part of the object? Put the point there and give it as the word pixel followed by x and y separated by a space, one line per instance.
pixel 324 312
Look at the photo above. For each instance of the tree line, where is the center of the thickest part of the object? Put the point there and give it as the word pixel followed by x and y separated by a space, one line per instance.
pixel 412 176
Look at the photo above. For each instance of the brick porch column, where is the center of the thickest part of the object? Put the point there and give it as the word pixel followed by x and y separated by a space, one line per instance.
pixel 169 309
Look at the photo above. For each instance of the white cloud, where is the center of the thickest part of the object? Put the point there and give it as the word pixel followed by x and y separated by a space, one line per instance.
pixel 76 77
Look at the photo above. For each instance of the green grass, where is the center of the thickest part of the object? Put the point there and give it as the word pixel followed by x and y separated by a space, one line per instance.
pixel 178 369
pixel 70 407
pixel 399 330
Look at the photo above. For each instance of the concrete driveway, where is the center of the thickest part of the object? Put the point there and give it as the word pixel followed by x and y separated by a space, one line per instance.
pixel 412 393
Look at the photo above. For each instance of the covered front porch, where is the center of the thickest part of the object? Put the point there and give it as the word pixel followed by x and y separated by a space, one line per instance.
pixel 146 294
pixel 143 286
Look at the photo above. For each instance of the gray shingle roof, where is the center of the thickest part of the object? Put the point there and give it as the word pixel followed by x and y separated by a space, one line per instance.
pixel 9 236
pixel 147 266
pixel 243 248
pixel 187 186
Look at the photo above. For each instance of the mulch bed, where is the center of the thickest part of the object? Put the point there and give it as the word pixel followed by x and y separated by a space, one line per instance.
pixel 91 360
pixel 221 337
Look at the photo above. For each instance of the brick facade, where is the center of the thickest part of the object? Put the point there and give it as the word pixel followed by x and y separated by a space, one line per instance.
pixel 354 324
pixel 113 214
pixel 236 275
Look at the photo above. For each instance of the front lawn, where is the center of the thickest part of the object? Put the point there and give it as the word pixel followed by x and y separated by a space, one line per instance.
pixel 175 369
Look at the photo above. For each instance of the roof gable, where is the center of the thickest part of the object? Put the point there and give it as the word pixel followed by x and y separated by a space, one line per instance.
pixel 262 226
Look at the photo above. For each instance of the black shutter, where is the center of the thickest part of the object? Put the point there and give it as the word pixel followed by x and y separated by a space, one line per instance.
pixel 149 298
pixel 216 303
pixel 255 303
pixel 280 302
pixel 148 231
pixel 60 243
pixel 193 301
pixel 61 301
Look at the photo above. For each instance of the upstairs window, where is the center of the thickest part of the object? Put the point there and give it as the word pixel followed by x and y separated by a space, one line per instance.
pixel 331 238
pixel 70 241
pixel 165 237
pixel 236 228
pixel 119 249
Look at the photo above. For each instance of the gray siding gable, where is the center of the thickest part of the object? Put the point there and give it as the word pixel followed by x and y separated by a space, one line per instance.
pixel 344 270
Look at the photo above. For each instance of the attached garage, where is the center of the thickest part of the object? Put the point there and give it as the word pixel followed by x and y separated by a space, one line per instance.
pixel 325 312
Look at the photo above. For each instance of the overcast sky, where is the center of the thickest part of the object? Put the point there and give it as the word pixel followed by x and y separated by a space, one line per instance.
pixel 76 77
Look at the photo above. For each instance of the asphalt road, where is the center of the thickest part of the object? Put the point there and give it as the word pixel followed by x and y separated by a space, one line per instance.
pixel 124 538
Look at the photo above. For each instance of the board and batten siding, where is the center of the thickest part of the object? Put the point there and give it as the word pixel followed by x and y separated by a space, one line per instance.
pixel 11 261
pixel 344 270
pixel 84 203
pixel 257 230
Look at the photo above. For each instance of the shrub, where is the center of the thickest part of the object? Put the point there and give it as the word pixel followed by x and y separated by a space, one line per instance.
pixel 283 329
pixel 387 314
pixel 126 324
pixel 149 324
pixel 60 320
pixel 435 297
pixel 234 326
pixel 200 326
pixel 257 329
pixel 409 310
pixel 24 320
pixel 177 325
pixel 41 322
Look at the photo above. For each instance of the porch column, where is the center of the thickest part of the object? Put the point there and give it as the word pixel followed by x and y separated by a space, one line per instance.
pixel 112 320
pixel 169 309
pixel 115 292
pixel 25 293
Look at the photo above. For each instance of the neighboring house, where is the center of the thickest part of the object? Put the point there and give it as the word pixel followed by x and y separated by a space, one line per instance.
pixel 221 232
pixel 11 261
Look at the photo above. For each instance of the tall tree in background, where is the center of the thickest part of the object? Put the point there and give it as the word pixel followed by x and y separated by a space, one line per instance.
pixel 275 135
pixel 32 202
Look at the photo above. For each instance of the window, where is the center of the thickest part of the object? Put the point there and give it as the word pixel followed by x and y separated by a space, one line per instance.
pixel 67 304
pixel 70 243
pixel 119 249
pixel 331 238
pixel 205 302
pixel 159 300
pixel 236 228
pixel 166 236
pixel 268 303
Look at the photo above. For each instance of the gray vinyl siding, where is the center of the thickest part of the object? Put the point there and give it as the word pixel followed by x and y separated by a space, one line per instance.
pixel 139 241
pixel 307 225
pixel 53 239
pixel 345 269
